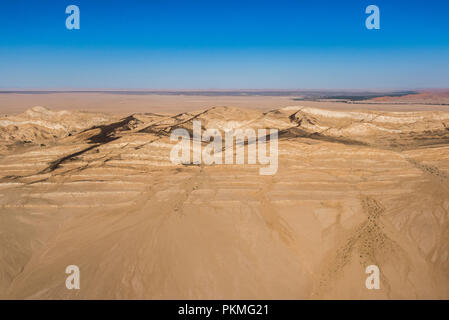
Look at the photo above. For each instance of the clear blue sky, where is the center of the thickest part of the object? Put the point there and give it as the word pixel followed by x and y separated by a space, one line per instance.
pixel 224 44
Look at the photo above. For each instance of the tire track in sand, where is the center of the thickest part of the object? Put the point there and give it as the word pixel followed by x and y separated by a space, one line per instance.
pixel 368 243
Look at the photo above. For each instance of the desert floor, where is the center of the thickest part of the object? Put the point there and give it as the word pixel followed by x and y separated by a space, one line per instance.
pixel 125 104
pixel 86 180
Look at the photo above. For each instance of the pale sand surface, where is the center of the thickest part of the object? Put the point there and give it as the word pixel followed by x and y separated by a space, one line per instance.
pixel 98 190
pixel 128 103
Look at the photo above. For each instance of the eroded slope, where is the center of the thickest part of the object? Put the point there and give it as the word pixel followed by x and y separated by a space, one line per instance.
pixel 100 192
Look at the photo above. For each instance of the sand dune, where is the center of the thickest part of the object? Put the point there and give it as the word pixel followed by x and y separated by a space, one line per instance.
pixel 98 190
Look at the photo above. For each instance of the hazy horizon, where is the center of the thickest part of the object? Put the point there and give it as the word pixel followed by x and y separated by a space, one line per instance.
pixel 155 90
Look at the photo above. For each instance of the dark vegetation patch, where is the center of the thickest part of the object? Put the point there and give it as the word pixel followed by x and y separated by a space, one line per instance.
pixel 357 96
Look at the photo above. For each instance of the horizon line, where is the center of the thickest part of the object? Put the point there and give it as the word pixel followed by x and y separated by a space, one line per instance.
pixel 168 90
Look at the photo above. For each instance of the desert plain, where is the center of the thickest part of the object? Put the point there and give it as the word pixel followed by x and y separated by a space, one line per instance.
pixel 86 180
